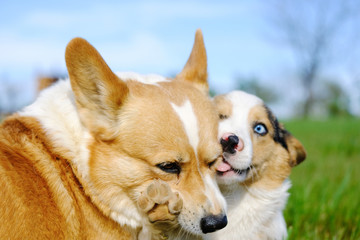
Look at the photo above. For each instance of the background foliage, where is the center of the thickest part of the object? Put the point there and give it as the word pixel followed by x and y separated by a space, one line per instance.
pixel 324 200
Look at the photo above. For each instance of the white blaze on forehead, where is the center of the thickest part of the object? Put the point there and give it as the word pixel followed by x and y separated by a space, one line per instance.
pixel 189 121
pixel 242 103
pixel 151 79
pixel 188 118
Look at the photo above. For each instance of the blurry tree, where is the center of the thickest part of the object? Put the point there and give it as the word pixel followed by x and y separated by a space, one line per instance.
pixel 335 100
pixel 252 85
pixel 314 30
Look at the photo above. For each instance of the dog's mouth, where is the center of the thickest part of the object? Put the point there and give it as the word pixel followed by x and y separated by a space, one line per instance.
pixel 225 168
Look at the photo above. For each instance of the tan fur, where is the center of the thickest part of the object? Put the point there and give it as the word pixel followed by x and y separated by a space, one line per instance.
pixel 161 203
pixel 86 67
pixel 41 197
pixel 271 161
pixel 257 162
pixel 48 191
pixel 197 61
pixel 44 82
pixel 223 107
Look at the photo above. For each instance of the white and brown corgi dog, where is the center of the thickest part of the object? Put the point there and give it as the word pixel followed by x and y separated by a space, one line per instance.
pixel 90 157
pixel 257 160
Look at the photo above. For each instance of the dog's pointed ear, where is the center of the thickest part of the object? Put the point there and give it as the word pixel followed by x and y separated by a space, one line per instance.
pixel 296 150
pixel 99 93
pixel 195 70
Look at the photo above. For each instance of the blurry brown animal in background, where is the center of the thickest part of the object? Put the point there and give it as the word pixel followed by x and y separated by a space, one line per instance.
pixel 44 82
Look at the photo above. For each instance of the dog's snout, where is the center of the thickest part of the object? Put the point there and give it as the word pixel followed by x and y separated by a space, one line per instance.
pixel 231 143
pixel 212 223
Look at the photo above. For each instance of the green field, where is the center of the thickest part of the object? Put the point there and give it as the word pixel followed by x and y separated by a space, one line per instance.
pixel 325 197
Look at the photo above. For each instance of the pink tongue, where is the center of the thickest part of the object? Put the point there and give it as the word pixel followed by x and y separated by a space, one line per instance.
pixel 223 167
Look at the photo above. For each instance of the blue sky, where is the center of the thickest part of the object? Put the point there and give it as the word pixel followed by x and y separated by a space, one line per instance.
pixel 145 37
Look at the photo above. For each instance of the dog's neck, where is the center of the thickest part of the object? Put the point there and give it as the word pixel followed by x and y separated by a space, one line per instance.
pixel 254 211
pixel 276 198
pixel 56 111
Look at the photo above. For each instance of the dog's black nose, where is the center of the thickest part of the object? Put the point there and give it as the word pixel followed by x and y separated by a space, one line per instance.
pixel 212 223
pixel 229 144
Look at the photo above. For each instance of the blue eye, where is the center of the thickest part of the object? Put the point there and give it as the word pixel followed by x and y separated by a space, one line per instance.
pixel 260 129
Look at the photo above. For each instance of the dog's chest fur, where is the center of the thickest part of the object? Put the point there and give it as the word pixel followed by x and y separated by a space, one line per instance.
pixel 254 213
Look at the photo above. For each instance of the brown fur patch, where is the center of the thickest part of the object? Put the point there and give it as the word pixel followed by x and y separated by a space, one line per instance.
pixel 41 197
pixel 271 160
pixel 99 92
pixel 223 107
pixel 44 82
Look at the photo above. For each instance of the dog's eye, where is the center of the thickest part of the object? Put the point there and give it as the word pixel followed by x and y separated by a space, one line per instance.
pixel 260 129
pixel 170 167
pixel 222 116
pixel 210 164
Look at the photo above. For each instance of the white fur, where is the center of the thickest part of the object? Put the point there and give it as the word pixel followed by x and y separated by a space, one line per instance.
pixel 238 124
pixel 211 187
pixel 212 192
pixel 56 111
pixel 152 79
pixel 189 121
pixel 254 213
pixel 190 124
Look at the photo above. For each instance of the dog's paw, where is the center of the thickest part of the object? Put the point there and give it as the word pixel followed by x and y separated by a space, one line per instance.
pixel 159 202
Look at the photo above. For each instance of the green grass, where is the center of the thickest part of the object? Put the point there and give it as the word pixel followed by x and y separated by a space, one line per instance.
pixel 325 197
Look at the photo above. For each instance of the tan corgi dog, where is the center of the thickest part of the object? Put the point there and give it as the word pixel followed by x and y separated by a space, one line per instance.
pixel 90 157
pixel 257 160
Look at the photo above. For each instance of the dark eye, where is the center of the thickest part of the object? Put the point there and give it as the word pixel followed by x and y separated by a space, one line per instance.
pixel 260 129
pixel 210 164
pixel 222 116
pixel 170 167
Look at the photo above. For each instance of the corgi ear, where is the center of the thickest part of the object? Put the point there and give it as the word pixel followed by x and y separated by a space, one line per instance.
pixel 195 70
pixel 99 93
pixel 296 150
